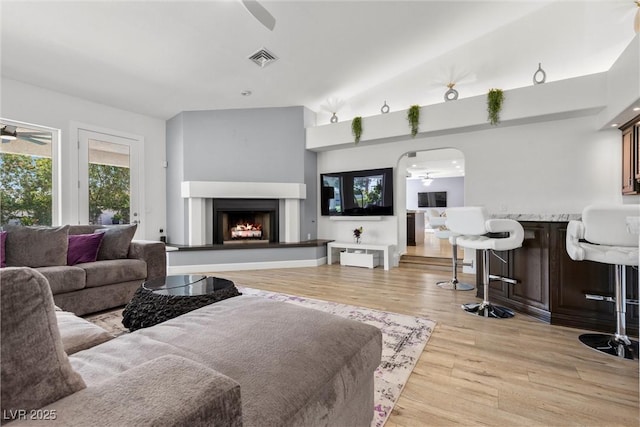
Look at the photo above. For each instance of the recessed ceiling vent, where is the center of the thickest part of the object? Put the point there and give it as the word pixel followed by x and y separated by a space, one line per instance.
pixel 263 57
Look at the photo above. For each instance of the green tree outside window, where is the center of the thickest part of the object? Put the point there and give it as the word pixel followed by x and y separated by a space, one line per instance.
pixel 26 190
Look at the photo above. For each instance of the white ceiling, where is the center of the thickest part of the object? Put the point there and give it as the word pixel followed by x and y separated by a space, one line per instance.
pixel 442 163
pixel 161 58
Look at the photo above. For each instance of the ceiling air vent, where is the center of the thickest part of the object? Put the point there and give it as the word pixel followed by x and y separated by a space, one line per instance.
pixel 263 57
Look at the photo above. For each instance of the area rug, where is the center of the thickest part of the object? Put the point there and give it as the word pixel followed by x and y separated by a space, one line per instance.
pixel 403 340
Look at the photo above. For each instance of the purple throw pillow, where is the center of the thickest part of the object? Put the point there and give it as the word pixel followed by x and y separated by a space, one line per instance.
pixel 3 258
pixel 83 248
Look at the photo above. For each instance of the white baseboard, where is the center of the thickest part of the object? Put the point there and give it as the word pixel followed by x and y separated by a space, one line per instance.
pixel 204 268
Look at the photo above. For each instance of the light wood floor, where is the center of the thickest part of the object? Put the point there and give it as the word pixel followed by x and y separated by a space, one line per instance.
pixel 476 371
pixel 433 247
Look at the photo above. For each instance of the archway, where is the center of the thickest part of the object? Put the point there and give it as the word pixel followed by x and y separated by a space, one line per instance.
pixel 427 179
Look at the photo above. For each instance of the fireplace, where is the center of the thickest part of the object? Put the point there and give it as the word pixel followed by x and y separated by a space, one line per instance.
pixel 245 221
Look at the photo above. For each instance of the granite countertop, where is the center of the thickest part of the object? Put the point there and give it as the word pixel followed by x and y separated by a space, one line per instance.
pixel 542 217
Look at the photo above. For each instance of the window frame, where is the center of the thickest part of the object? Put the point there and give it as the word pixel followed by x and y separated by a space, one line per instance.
pixel 56 187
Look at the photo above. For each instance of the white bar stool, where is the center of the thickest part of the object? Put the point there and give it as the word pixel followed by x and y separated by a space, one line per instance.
pixel 605 235
pixel 437 222
pixel 471 224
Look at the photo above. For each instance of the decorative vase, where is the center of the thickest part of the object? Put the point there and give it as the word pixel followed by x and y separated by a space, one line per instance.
pixel 385 108
pixel 334 118
pixel 451 94
pixel 543 76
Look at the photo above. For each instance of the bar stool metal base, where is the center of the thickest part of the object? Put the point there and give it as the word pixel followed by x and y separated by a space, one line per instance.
pixel 454 285
pixel 611 345
pixel 487 309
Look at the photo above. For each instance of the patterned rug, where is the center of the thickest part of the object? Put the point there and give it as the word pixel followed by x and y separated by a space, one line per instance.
pixel 403 340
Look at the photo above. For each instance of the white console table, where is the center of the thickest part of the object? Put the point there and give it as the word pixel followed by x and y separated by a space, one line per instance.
pixel 384 250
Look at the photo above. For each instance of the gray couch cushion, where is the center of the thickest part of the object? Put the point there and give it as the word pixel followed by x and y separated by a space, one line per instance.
pixel 79 334
pixel 64 278
pixel 107 272
pixel 169 391
pixel 92 300
pixel 292 363
pixel 36 246
pixel 35 369
pixel 84 229
pixel 115 244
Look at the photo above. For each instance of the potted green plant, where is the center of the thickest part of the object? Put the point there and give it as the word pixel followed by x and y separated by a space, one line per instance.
pixel 356 128
pixel 116 218
pixel 495 98
pixel 413 116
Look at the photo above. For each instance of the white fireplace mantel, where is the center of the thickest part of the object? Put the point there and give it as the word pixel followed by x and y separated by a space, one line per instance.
pixel 243 190
pixel 197 192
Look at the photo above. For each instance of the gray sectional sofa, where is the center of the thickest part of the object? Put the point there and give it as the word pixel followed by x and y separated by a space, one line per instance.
pixel 242 361
pixel 122 265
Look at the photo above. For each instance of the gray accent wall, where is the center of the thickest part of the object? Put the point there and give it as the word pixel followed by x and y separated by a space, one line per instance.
pixel 176 206
pixel 240 145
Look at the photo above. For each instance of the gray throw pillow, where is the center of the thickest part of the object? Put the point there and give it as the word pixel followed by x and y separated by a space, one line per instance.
pixel 116 241
pixel 36 246
pixel 35 370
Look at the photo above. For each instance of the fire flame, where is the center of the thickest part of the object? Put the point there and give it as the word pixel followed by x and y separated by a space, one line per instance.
pixel 247 227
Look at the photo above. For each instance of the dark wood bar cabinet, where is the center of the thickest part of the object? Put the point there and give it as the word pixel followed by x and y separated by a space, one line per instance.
pixel 552 286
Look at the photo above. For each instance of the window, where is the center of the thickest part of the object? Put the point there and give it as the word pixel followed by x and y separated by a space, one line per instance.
pixel 109 184
pixel 27 193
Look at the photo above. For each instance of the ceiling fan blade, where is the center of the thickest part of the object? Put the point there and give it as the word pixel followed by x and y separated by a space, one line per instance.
pixel 32 140
pixel 260 13
pixel 41 135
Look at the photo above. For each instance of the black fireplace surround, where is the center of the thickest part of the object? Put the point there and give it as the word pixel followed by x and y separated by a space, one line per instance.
pixel 245 209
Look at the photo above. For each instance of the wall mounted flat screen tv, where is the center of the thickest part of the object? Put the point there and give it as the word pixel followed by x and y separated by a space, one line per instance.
pixel 357 193
pixel 432 199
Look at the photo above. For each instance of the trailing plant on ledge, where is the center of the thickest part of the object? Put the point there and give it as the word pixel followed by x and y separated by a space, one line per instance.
pixel 413 116
pixel 356 128
pixel 495 97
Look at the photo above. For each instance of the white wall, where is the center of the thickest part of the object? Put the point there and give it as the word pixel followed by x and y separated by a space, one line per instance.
pixel 31 104
pixel 358 158
pixel 453 186
pixel 623 86
pixel 550 154
pixel 555 166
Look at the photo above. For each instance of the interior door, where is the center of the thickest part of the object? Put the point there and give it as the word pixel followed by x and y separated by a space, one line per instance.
pixel 109 179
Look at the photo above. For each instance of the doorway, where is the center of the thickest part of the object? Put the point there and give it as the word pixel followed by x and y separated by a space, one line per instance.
pixel 434 182
pixel 109 179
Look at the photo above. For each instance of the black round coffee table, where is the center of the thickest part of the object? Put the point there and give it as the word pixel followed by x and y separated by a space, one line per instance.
pixel 174 281
pixel 162 299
